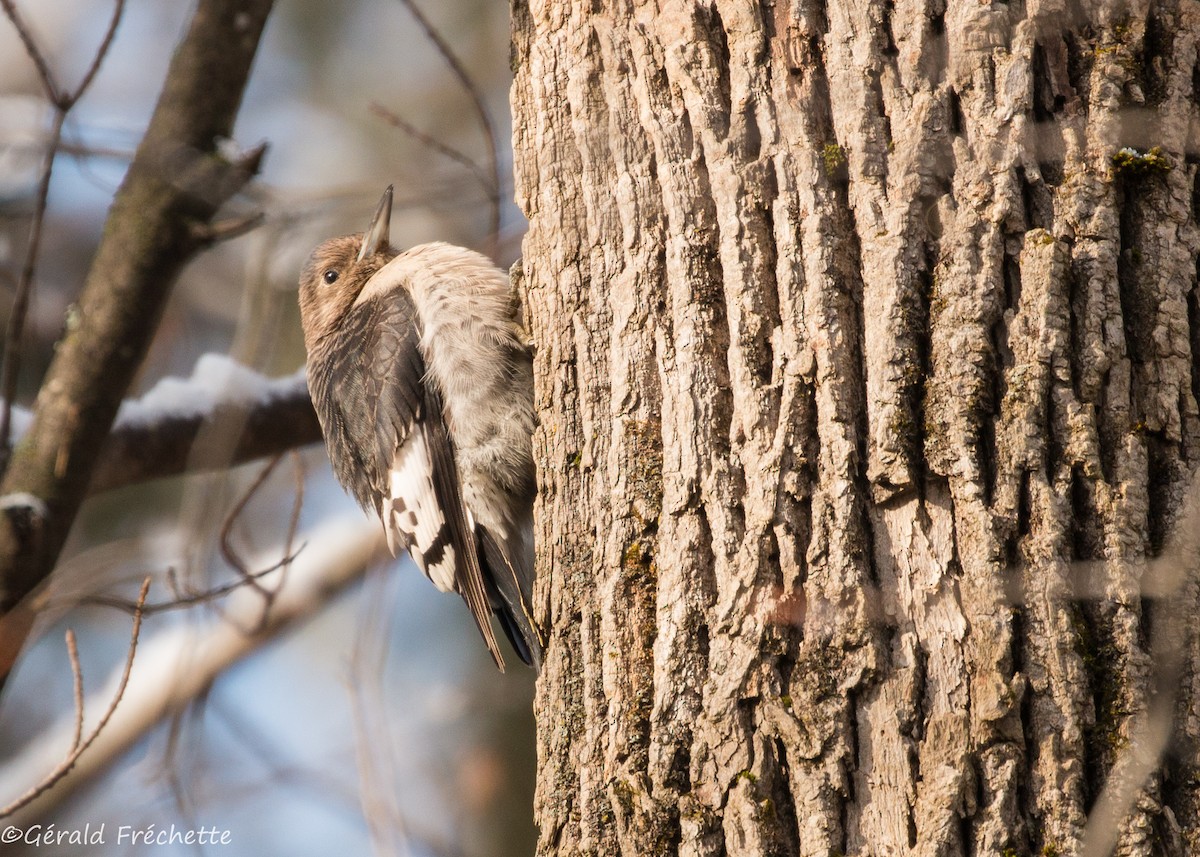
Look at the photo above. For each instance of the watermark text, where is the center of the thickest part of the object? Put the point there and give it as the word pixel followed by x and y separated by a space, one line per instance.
pixel 39 835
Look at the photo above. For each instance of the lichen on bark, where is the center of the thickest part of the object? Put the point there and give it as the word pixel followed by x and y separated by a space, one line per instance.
pixel 866 345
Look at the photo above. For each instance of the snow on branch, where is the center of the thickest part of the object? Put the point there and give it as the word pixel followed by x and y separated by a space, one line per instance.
pixel 156 435
pixel 217 379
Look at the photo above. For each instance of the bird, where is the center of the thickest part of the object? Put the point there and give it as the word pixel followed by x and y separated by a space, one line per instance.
pixel 422 379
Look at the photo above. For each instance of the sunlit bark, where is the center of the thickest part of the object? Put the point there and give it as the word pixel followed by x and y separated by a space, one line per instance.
pixel 860 326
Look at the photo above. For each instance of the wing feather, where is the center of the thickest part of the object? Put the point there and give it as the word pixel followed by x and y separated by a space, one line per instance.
pixel 389 445
pixel 469 580
pixel 413 517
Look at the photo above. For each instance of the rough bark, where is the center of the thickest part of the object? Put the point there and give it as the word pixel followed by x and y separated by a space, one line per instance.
pixel 866 370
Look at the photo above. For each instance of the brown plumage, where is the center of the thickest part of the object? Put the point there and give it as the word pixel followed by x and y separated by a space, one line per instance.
pixel 423 387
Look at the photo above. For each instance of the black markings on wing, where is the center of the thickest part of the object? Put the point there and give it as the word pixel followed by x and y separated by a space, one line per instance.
pixel 469 577
pixel 413 514
pixel 390 447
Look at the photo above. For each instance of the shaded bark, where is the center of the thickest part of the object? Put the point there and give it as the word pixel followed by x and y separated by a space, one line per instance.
pixel 159 219
pixel 866 367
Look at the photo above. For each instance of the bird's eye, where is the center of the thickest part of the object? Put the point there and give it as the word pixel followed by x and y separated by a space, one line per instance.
pixel 331 276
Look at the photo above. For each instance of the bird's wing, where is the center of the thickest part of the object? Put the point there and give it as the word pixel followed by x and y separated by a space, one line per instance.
pixel 457 529
pixel 392 423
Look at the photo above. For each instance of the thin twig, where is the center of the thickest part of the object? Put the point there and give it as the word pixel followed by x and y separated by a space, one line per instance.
pixel 293 526
pixel 35 53
pixel 234 559
pixel 20 305
pixel 77 680
pixel 61 99
pixel 298 474
pixel 431 142
pixel 485 119
pixel 230 555
pixel 80 151
pixel 179 754
pixel 192 598
pixel 65 766
pixel 374 750
pixel 63 102
pixel 101 52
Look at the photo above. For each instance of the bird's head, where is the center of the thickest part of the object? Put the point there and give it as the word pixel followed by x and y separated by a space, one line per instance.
pixel 337 271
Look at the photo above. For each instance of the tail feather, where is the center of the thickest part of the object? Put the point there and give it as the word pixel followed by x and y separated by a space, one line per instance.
pixel 532 657
pixel 510 579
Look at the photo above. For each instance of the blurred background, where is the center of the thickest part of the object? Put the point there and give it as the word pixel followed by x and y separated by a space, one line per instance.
pixel 379 724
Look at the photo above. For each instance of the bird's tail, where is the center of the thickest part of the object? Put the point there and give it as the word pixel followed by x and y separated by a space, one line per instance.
pixel 510 579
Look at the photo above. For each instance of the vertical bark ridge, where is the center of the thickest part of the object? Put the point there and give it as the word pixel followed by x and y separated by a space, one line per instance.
pixel 736 770
pixel 635 272
pixel 974 219
pixel 889 133
pixel 692 340
pixel 1037 394
pixel 558 304
pixel 866 369
pixel 815 227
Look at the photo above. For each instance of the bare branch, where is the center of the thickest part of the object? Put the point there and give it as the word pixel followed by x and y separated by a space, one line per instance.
pixel 181 663
pixel 35 53
pixel 177 179
pixel 63 103
pixel 79 748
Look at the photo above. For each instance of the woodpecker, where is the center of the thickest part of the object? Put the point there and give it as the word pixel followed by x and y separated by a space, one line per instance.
pixel 423 384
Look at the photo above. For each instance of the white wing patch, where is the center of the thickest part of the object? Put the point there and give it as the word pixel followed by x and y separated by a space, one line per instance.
pixel 412 516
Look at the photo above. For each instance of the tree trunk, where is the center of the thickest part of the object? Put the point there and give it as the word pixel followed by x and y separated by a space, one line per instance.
pixel 866 339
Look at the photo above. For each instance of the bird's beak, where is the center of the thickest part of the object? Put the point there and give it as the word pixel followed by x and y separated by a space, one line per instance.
pixel 376 235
